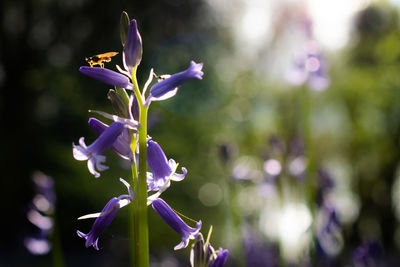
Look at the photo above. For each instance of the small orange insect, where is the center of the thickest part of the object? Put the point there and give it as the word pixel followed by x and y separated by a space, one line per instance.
pixel 99 59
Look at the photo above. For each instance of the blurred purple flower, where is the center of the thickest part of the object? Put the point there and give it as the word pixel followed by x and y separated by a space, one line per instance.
pixel 309 65
pixel 258 252
pixel 369 254
pixel 93 153
pixel 176 223
pixel 167 88
pixel 329 236
pixel 162 169
pixel 107 76
pixel 43 207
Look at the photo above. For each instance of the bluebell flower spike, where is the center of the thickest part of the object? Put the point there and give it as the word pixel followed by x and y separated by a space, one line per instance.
pixel 176 223
pixel 162 169
pixel 93 153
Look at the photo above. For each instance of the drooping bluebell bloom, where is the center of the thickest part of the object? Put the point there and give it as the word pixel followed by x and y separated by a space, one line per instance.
pixel 132 54
pixel 167 88
pixel 162 169
pixel 106 216
pixel 222 256
pixel 176 223
pixel 93 153
pixel 121 146
pixel 107 76
pixel 101 223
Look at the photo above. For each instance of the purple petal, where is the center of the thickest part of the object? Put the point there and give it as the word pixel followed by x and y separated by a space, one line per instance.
pixel 106 138
pixel 162 90
pixel 121 145
pixel 107 76
pixel 157 161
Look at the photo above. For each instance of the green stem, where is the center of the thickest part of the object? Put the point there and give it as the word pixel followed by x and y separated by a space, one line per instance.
pixel 57 254
pixel 132 229
pixel 141 230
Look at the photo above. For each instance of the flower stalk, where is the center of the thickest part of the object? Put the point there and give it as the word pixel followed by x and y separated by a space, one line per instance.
pixel 141 236
pixel 127 136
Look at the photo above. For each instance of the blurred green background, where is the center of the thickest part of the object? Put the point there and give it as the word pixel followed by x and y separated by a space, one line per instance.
pixel 212 127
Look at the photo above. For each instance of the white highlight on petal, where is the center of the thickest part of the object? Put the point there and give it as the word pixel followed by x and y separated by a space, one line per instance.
pixel 123 71
pixel 163 97
pixel 80 151
pixel 90 216
pixel 153 197
pixel 129 187
pixel 149 80
pixel 90 164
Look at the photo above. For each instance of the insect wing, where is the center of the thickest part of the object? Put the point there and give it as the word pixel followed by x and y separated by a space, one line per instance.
pixel 108 54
